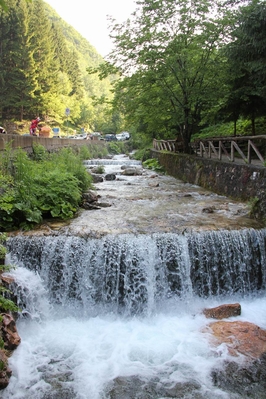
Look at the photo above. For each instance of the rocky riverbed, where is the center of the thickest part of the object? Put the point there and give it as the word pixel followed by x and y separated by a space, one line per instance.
pixel 146 202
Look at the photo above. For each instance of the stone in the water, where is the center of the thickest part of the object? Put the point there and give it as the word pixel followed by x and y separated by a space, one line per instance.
pixel 223 311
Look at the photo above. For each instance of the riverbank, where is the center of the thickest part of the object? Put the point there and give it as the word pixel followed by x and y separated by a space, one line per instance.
pixel 147 202
pixel 236 181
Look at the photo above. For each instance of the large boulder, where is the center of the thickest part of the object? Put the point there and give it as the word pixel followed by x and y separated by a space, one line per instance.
pixel 246 343
pixel 241 337
pixel 97 178
pixel 110 177
pixel 247 380
pixel 132 172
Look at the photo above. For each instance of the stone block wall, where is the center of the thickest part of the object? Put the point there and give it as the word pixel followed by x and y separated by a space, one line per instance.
pixel 51 144
pixel 238 181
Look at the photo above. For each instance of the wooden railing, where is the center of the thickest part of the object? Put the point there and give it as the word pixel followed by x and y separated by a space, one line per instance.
pixel 248 149
pixel 164 145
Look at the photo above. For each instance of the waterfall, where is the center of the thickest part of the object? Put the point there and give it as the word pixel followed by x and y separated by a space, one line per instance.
pixel 132 275
pixel 121 316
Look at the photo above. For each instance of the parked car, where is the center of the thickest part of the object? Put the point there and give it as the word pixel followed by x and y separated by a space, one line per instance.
pixel 82 136
pixel 110 137
pixel 123 136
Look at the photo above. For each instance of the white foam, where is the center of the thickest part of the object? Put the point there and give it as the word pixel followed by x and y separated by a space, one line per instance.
pixel 87 354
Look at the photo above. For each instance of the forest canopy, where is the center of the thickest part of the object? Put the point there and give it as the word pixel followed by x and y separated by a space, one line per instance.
pixel 178 66
pixel 188 64
pixel 43 68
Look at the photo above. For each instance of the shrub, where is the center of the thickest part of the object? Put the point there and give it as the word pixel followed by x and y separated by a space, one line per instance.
pixel 31 190
pixel 5 304
pixel 114 148
pixel 99 169
pixel 153 164
pixel 39 152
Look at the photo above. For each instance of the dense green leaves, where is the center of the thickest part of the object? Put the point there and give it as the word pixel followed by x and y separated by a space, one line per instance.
pixel 176 76
pixel 49 186
pixel 43 68
pixel 247 62
pixel 169 56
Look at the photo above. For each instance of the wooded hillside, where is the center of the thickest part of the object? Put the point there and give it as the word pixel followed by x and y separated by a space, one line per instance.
pixel 43 68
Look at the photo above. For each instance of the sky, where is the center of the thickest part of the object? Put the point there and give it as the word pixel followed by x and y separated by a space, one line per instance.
pixel 89 18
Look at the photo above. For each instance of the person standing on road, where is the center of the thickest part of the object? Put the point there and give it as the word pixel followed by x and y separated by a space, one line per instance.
pixel 33 126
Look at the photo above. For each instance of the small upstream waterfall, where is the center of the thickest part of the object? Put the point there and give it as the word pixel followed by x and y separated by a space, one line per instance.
pixel 113 162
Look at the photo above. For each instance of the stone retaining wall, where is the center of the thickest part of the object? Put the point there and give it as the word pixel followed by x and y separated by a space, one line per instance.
pixel 238 181
pixel 26 142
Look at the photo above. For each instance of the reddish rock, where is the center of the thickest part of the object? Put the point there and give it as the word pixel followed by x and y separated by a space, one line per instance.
pixel 223 311
pixel 240 337
pixel 5 372
pixel 9 332
pixel 7 279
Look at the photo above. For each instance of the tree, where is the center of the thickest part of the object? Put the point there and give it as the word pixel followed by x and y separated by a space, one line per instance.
pixel 4 6
pixel 17 69
pixel 247 59
pixel 169 50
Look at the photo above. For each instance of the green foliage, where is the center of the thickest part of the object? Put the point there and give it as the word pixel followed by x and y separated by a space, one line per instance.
pixel 84 153
pixel 56 194
pixel 114 148
pixel 253 205
pixel 6 159
pixel 153 164
pixel 99 169
pixel 98 151
pixel 243 128
pixel 52 186
pixel 171 68
pixel 5 304
pixel 39 152
pixel 245 53
pixel 2 365
pixel 44 70
pixel 3 250
pixel 142 154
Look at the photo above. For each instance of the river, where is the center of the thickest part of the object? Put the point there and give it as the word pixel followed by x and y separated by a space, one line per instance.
pixel 112 302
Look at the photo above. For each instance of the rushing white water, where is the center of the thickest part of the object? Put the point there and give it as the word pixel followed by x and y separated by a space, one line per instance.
pixel 120 307
pixel 68 357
